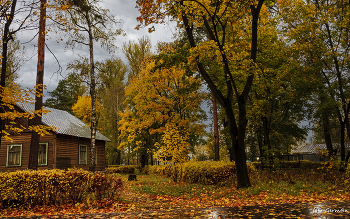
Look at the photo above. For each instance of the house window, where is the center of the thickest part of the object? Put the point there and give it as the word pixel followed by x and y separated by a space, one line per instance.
pixel 42 154
pixel 82 154
pixel 14 155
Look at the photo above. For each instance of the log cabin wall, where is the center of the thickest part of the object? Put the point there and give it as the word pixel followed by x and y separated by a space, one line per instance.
pixel 63 152
pixel 24 140
pixel 68 152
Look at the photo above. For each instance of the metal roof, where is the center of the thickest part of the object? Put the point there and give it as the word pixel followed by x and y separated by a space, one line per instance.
pixel 312 148
pixel 64 122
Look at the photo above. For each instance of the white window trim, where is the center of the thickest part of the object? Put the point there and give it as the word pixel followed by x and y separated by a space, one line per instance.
pixel 20 156
pixel 81 145
pixel 47 151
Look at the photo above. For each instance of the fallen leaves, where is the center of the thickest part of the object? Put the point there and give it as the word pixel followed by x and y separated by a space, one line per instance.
pixel 158 194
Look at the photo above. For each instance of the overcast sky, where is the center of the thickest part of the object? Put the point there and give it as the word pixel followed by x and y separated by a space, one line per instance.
pixel 122 9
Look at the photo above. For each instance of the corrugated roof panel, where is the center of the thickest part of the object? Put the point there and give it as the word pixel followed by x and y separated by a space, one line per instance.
pixel 312 148
pixel 64 122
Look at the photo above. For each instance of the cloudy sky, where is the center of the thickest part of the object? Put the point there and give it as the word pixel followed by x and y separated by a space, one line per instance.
pixel 122 9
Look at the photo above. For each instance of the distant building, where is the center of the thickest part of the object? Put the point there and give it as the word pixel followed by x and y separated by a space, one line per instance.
pixel 311 151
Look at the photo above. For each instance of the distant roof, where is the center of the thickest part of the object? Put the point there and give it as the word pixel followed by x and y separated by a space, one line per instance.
pixel 311 148
pixel 64 122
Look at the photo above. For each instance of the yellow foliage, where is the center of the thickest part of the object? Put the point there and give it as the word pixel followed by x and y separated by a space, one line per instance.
pixel 82 108
pixel 13 95
pixel 162 102
pixel 174 144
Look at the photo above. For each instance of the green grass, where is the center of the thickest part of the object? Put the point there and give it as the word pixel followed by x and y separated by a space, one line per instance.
pixel 156 185
pixel 268 187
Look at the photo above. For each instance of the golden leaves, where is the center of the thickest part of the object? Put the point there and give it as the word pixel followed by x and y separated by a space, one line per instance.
pixel 13 95
pixel 82 108
pixel 159 100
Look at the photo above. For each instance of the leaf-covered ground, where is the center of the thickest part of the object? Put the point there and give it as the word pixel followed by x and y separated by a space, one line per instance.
pixel 154 196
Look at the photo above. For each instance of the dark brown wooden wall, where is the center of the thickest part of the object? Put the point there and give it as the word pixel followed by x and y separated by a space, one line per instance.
pixel 24 139
pixel 67 152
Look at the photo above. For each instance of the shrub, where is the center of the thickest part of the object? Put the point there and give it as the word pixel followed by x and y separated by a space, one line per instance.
pixel 203 172
pixel 310 165
pixel 30 188
pixel 121 169
pixel 156 169
pixel 303 164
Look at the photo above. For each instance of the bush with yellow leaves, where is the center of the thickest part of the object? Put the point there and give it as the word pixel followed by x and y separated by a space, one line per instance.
pixel 30 188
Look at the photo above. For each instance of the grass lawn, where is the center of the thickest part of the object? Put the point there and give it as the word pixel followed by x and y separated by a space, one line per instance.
pixel 152 192
pixel 286 186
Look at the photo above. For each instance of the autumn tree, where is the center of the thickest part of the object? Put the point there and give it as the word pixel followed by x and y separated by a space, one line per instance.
pixel 7 14
pixel 88 24
pixel 230 25
pixel 82 109
pixel 136 53
pixel 319 32
pixel 277 103
pixel 66 93
pixel 15 60
pixel 163 112
pixel 111 92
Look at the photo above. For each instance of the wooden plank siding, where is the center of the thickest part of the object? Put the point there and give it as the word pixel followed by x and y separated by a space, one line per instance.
pixel 68 150
pixel 63 152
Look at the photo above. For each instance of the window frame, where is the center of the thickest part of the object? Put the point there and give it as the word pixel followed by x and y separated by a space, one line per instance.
pixel 79 153
pixel 47 151
pixel 20 155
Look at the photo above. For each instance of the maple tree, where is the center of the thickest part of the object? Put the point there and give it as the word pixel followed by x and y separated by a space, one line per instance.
pixel 162 111
pixel 82 109
pixel 11 96
pixel 230 25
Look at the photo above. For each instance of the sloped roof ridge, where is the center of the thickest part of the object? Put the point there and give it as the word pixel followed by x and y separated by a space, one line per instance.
pixel 64 122
pixel 311 148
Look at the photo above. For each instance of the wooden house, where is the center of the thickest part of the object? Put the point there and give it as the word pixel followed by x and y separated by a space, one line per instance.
pixel 68 146
pixel 311 151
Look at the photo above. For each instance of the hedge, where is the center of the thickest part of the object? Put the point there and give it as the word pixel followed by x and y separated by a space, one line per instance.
pixel 303 164
pixel 203 172
pixel 30 188
pixel 214 172
pixel 130 169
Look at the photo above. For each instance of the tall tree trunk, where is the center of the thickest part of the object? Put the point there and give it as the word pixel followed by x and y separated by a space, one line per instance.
pixel 237 131
pixel 5 39
pixel 93 127
pixel 327 133
pixel 345 104
pixel 261 149
pixel 34 144
pixel 228 142
pixel 216 130
pixel 267 141
pixel 342 142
